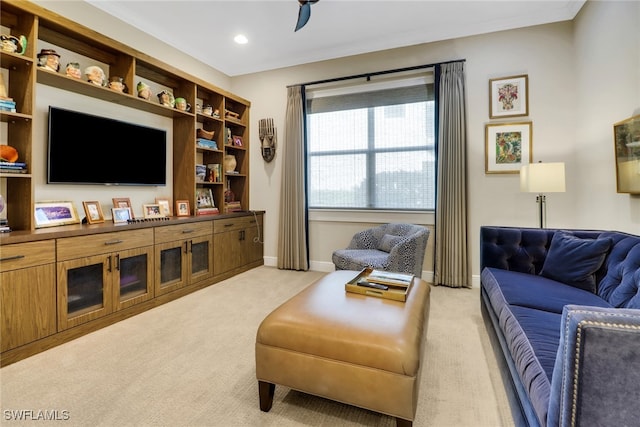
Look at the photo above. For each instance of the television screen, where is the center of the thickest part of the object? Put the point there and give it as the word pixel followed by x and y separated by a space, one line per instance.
pixel 87 149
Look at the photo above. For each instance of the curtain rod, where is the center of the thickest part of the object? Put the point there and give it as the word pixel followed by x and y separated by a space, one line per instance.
pixel 377 73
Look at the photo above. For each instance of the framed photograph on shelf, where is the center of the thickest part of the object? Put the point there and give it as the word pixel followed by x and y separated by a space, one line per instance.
pixel 51 214
pixel 508 147
pixel 509 97
pixel 165 206
pixel 204 198
pixel 182 208
pixel 122 202
pixel 237 141
pixel 626 139
pixel 152 211
pixel 93 212
pixel 121 215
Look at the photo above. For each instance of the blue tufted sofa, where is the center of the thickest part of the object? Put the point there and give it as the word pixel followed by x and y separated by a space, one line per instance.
pixel 563 307
pixel 391 247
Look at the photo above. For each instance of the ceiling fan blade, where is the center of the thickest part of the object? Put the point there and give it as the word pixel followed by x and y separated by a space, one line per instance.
pixel 303 15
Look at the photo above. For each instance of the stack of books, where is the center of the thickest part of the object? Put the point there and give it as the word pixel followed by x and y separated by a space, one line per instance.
pixel 233 207
pixel 207 143
pixel 13 167
pixel 4 226
pixel 207 211
pixel 7 104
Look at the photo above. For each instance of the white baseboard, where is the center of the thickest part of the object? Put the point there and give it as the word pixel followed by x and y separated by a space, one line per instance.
pixel 328 267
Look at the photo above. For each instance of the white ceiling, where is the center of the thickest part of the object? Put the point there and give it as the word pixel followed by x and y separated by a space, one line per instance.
pixel 337 28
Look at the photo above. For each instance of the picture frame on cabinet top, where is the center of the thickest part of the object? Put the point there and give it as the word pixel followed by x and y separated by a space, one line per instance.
pixel 93 212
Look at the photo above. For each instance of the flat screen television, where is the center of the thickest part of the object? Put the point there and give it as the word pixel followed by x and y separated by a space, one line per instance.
pixel 88 149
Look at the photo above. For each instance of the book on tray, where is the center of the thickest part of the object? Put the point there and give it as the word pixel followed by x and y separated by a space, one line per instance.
pixel 389 278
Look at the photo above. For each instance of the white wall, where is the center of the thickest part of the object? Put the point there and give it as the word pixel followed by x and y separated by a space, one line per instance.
pixel 583 77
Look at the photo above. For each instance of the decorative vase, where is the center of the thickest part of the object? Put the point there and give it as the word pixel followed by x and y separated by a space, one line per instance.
pixel 230 163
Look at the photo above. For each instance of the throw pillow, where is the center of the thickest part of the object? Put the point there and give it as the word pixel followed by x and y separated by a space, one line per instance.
pixel 574 261
pixel 388 241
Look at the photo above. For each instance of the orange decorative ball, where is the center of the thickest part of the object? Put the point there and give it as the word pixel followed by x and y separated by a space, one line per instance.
pixel 8 153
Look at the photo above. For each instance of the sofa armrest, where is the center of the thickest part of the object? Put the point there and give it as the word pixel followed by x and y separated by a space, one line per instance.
pixel 597 369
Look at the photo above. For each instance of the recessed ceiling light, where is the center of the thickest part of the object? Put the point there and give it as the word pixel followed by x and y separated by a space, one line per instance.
pixel 241 39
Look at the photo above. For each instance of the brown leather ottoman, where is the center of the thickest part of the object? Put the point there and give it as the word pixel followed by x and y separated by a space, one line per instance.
pixel 356 349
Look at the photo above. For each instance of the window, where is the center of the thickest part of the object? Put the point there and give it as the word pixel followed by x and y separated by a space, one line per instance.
pixel 372 146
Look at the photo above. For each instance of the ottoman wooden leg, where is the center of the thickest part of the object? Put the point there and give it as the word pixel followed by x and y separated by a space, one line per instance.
pixel 401 422
pixel 266 390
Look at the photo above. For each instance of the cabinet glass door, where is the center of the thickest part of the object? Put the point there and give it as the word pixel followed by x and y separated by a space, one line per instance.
pixel 134 279
pixel 82 290
pixel 170 266
pixel 201 258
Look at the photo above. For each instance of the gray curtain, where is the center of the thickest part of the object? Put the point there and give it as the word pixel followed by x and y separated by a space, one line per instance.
pixel 451 254
pixel 292 238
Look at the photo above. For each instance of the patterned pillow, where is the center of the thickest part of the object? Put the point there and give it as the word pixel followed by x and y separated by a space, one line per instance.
pixel 388 241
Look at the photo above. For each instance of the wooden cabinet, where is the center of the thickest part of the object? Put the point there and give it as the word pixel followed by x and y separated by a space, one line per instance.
pixel 27 293
pixel 80 43
pixel 100 274
pixel 237 242
pixel 183 255
pixel 67 283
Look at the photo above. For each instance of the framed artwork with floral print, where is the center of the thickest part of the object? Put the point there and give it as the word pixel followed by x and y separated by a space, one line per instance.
pixel 508 147
pixel 509 97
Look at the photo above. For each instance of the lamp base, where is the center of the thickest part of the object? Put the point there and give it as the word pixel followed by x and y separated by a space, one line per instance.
pixel 541 200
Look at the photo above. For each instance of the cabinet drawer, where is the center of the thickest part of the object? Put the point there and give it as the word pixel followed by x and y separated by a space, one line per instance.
pixel 171 233
pixel 22 255
pixel 77 247
pixel 237 223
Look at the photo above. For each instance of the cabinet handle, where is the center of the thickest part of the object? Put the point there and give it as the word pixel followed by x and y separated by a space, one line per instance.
pixel 109 263
pixel 186 246
pixel 11 258
pixel 118 262
pixel 187 231
pixel 113 242
pixel 228 225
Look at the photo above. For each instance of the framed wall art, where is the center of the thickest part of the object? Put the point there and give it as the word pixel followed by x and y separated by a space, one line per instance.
pixel 121 215
pixel 508 147
pixel 51 214
pixel 93 212
pixel 626 139
pixel 509 97
pixel 182 208
pixel 237 140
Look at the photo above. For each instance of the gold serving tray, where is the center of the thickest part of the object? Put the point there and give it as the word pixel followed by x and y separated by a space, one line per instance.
pixel 396 292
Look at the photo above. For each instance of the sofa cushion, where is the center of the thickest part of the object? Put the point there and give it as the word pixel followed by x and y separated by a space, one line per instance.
pixel 388 241
pixel 527 290
pixel 574 261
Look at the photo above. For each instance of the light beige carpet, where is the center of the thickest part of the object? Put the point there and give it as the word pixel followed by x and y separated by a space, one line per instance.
pixel 191 363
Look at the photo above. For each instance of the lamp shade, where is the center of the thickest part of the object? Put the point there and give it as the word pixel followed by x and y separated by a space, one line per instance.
pixel 542 178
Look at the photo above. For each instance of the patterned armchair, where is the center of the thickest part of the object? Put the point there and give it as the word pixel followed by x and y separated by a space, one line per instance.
pixel 390 247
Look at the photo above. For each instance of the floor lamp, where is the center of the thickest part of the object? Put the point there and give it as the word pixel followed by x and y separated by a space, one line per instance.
pixel 542 178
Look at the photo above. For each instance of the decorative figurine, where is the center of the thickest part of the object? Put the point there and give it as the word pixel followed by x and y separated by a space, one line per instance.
pixel 144 90
pixel 95 75
pixel 117 83
pixel 182 104
pixel 73 70
pixel 166 98
pixel 49 59
pixel 208 110
pixel 13 44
